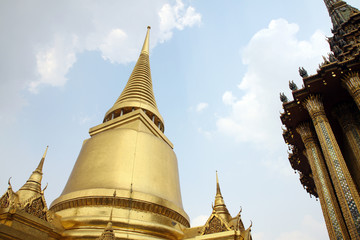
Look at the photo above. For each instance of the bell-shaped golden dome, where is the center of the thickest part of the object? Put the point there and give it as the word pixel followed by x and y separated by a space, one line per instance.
pixel 128 153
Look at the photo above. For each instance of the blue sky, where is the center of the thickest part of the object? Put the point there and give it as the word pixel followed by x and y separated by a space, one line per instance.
pixel 217 70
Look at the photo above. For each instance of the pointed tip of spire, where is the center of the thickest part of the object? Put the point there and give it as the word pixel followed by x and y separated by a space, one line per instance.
pixel 145 48
pixel 41 164
pixel 47 147
pixel 218 192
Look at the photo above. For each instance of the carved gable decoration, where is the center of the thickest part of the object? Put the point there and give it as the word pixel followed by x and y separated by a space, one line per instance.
pixel 9 199
pixel 214 225
pixel 37 207
pixel 5 200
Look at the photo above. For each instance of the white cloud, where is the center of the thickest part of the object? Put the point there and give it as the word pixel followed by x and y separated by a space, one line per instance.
pixel 46 38
pixel 228 98
pixel 199 221
pixel 309 229
pixel 201 106
pixel 113 44
pixel 176 17
pixel 272 56
pixel 53 63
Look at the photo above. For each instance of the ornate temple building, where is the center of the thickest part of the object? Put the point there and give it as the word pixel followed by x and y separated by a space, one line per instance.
pixel 124 184
pixel 323 127
pixel 220 224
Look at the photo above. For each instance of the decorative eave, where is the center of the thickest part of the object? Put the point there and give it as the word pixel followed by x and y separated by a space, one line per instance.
pixel 326 81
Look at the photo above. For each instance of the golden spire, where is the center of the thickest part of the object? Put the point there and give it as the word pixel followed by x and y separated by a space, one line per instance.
pixel 219 206
pixel 218 192
pixel 108 233
pixel 41 164
pixel 33 184
pixel 145 48
pixel 138 92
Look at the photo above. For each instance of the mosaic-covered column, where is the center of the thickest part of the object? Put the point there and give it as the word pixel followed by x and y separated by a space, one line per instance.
pixel 346 115
pixel 352 84
pixel 345 189
pixel 331 210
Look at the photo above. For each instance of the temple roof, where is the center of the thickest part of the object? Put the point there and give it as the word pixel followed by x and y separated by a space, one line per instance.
pixel 30 197
pixel 220 222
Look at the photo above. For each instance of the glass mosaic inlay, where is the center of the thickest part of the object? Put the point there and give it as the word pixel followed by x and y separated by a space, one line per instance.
pixel 340 174
pixel 356 136
pixel 329 204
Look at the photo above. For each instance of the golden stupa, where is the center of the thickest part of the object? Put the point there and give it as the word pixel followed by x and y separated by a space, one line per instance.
pixel 128 153
pixel 127 170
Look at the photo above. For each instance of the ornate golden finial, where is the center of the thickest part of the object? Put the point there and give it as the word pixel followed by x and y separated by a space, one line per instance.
pixel 45 187
pixel 250 225
pixel 240 211
pixel 239 223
